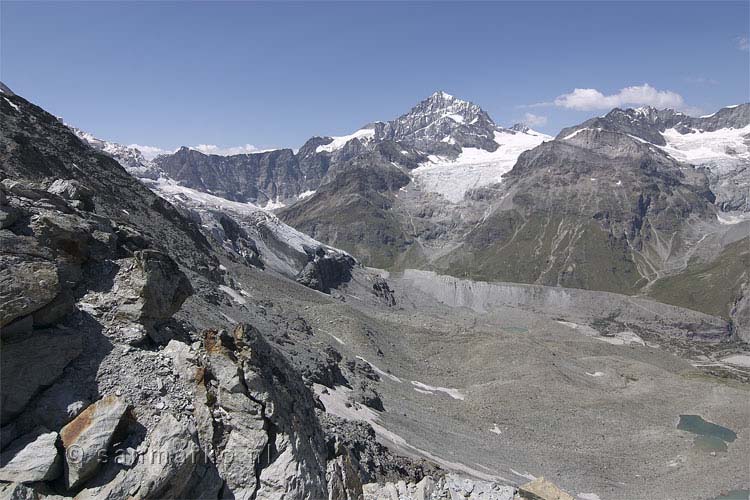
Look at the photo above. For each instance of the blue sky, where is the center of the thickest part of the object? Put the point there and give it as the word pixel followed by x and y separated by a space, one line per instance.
pixel 230 74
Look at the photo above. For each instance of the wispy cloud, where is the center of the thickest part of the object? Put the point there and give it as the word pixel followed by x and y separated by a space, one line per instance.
pixel 213 149
pixel 743 43
pixel 151 152
pixel 639 95
pixel 701 80
pixel 533 120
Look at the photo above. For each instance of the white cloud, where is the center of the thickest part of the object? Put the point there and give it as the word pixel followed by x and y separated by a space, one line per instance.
pixel 639 95
pixel 150 152
pixel 743 43
pixel 213 149
pixel 533 120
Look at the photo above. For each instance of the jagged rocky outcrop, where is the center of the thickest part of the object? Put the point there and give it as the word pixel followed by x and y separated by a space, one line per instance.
pixel 260 178
pixel 720 142
pixel 649 123
pixel 441 124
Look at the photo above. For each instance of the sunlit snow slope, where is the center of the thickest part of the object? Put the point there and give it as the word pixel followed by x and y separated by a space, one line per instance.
pixel 475 167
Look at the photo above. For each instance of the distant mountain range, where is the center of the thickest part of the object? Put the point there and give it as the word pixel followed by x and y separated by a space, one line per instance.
pixel 639 201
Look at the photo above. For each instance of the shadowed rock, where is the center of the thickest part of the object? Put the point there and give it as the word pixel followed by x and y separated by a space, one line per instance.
pixel 31 458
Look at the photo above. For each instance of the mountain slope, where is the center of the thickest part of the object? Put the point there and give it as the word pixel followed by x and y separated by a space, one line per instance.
pixel 601 209
pixel 720 142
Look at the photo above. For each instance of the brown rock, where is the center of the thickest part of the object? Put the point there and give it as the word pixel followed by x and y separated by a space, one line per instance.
pixel 541 489
pixel 89 435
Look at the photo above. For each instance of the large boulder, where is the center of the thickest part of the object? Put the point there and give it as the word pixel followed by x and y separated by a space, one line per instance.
pixel 171 466
pixel 79 195
pixel 26 285
pixel 89 435
pixel 31 458
pixel 150 288
pixel 343 478
pixel 541 489
pixel 30 362
pixel 326 269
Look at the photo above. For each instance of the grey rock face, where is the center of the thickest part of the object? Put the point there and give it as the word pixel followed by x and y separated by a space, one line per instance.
pixel 59 404
pixel 326 270
pixel 31 458
pixel 231 400
pixel 343 479
pixel 258 178
pixel 283 440
pixel 74 191
pixel 741 314
pixel 648 123
pixel 21 362
pixel 169 465
pixel 37 149
pixel 729 170
pixel 26 285
pixel 441 124
pixel 17 491
pixel 89 435
pixel 148 289
pixel 444 488
pixel 130 158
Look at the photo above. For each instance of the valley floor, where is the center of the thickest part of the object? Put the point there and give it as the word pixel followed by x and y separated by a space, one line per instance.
pixel 508 393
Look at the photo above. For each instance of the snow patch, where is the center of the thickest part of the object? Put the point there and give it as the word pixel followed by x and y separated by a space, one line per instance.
pixel 273 205
pixel 720 150
pixel 575 133
pixel 305 194
pixel 381 372
pixel 738 360
pixel 237 297
pixel 12 105
pixel 336 400
pixel 495 429
pixel 422 391
pixel 595 374
pixel 623 338
pixel 363 134
pixel 337 339
pixel 454 393
pixel 588 496
pixel 528 476
pixel 475 167
pixel 456 118
pixel 728 219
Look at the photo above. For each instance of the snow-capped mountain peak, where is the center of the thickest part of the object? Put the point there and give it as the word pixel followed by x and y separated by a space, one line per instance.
pixel 131 159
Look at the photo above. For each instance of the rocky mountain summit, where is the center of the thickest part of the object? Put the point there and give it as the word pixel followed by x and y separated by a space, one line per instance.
pixel 720 142
pixel 441 124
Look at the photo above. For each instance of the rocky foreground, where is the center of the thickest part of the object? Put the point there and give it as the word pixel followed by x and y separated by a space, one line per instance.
pixel 108 392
